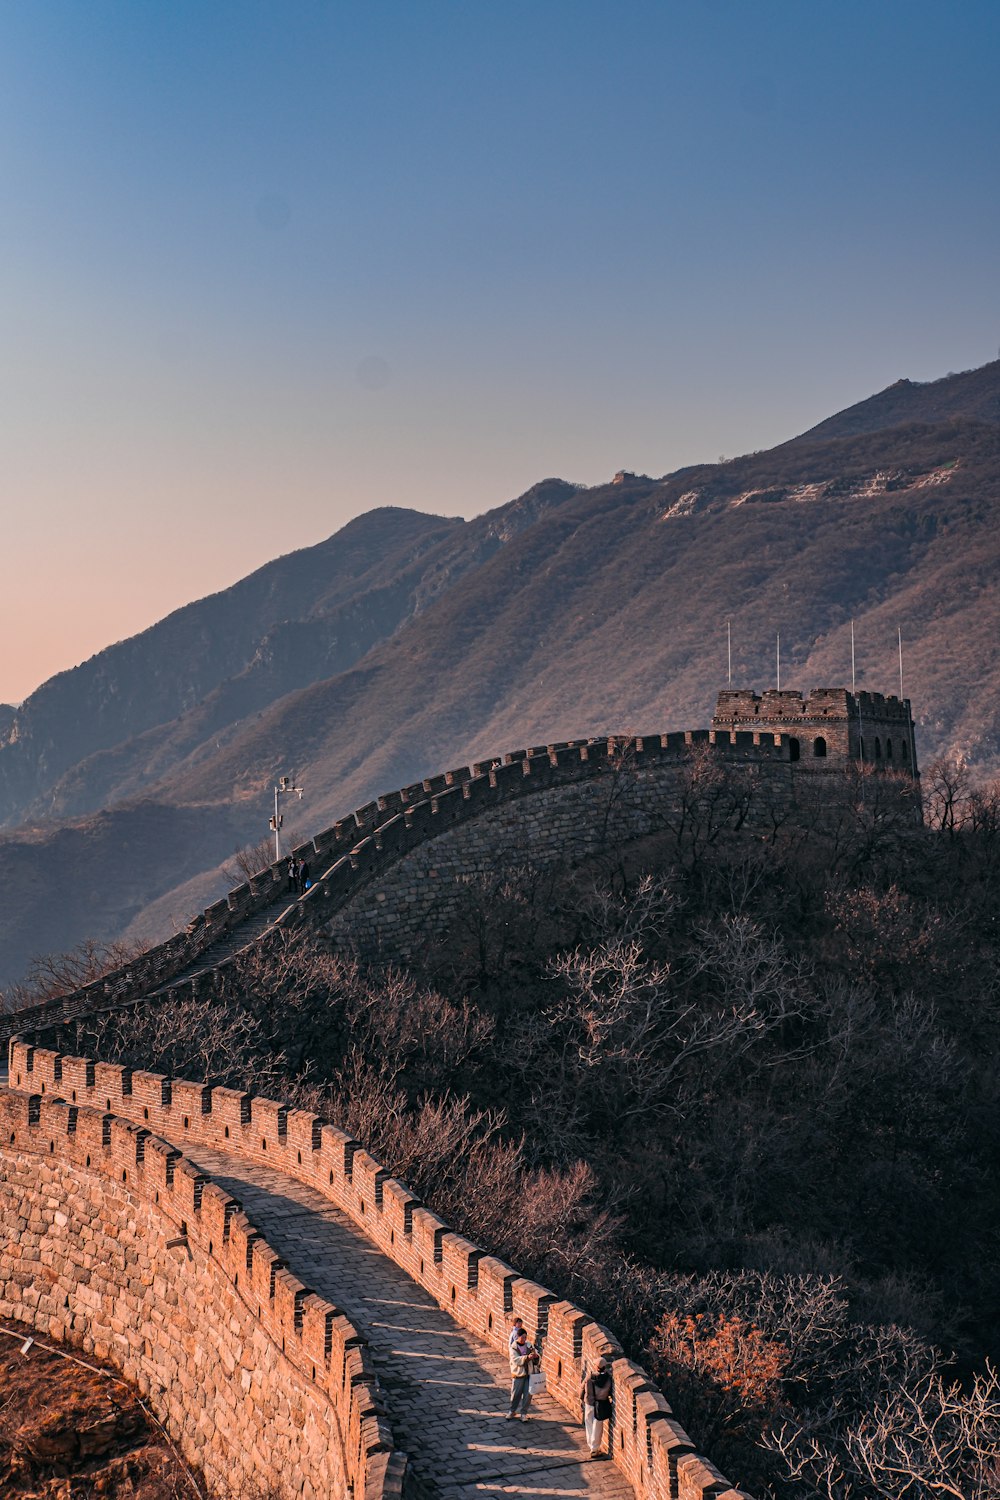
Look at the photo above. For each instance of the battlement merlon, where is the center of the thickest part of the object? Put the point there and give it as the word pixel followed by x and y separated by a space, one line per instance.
pixel 743 705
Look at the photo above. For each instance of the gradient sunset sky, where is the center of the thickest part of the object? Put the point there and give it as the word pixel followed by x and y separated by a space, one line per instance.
pixel 264 267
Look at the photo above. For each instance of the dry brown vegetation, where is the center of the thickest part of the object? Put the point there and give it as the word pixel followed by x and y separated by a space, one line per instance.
pixel 71 1430
pixel 737 1095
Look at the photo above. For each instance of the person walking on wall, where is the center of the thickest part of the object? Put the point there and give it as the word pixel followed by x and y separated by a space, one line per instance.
pixel 516 1328
pixel 523 1359
pixel 292 868
pixel 597 1397
pixel 304 881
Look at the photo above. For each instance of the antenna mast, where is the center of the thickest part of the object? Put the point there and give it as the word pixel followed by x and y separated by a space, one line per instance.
pixel 778 657
pixel 899 637
pixel 853 683
pixel 729 643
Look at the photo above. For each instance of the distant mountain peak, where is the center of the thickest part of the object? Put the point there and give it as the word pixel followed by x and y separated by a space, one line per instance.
pixel 969 396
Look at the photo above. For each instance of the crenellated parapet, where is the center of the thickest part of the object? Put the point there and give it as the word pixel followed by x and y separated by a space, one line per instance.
pixel 121 1108
pixel 356 850
pixel 117 1242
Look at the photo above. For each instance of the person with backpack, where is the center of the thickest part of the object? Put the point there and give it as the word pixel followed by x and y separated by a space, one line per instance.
pixel 524 1359
pixel 596 1394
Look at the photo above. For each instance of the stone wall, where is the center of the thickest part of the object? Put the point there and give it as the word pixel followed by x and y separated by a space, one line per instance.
pixel 226 1343
pixel 414 902
pixel 114 1243
pixel 358 849
pixel 480 1292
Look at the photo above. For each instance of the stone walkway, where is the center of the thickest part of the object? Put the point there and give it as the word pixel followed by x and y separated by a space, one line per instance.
pixel 446 1393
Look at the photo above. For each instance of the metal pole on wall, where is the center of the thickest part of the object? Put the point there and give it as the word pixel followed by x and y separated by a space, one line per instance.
pixel 729 643
pixel 778 659
pixel 283 787
pixel 861 727
pixel 899 637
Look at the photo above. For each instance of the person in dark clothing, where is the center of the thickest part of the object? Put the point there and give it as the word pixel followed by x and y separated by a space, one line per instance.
pixel 292 869
pixel 596 1395
pixel 304 881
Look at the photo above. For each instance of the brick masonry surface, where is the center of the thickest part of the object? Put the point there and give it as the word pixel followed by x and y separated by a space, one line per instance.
pixel 478 1293
pixel 447 1393
pixel 89 1256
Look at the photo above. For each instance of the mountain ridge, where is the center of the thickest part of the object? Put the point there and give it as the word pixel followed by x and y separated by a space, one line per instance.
pixel 574 611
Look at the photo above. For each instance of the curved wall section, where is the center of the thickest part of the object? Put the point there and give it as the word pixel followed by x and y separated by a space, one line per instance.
pixel 358 849
pixel 115 1243
pixel 479 1291
pixel 412 903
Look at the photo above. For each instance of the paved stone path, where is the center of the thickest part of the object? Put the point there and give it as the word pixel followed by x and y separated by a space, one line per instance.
pixel 446 1393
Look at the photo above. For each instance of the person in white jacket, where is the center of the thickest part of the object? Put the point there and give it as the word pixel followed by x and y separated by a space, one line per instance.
pixel 524 1358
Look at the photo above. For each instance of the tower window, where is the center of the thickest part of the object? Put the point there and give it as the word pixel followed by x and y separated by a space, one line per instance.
pixel 793 748
pixel 819 747
pixel 888 749
pixel 878 748
pixel 906 751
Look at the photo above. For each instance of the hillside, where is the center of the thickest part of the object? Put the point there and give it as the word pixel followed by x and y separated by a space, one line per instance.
pixel 110 728
pixel 972 396
pixel 611 612
pixel 408 643
pixel 158 676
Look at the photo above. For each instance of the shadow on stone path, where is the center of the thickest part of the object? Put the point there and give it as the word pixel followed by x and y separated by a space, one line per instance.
pixel 446 1393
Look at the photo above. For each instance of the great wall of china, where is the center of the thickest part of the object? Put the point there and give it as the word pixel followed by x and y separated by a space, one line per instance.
pixel 122 1233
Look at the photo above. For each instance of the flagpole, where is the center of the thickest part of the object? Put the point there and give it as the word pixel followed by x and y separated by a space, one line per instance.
pixel 729 643
pixel 778 656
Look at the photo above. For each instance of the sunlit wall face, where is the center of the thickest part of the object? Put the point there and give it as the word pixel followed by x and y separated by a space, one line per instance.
pixel 264 267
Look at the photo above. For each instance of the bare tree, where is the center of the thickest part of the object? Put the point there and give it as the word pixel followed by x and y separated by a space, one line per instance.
pixel 947 790
pixel 712 796
pixel 923 1438
pixel 249 860
pixel 639 1032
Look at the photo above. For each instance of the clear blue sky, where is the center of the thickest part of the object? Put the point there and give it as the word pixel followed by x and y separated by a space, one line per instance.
pixel 265 267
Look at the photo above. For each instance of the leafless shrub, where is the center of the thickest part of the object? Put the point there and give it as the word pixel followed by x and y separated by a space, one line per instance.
pixel 646 912
pixel 922 1438
pixel 467 1164
pixel 215 1042
pixel 54 974
pixel 248 861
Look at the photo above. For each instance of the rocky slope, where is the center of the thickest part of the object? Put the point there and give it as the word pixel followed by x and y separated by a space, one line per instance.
pixel 67 1430
pixel 408 643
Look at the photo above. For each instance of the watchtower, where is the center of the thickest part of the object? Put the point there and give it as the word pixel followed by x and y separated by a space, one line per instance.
pixel 828 730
